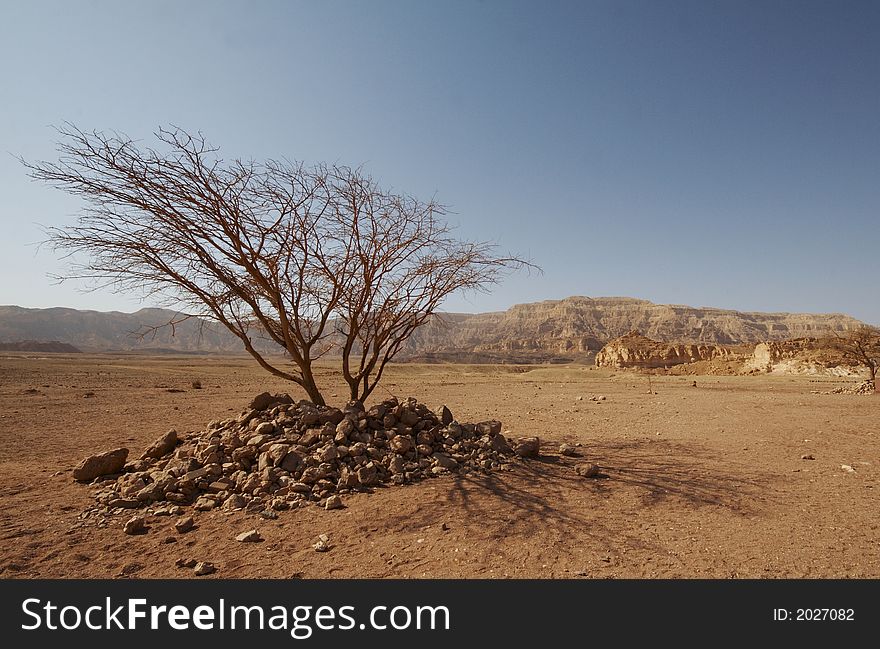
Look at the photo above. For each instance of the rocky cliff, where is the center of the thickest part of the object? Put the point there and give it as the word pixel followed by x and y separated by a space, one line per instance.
pixel 800 356
pixel 637 351
pixel 576 327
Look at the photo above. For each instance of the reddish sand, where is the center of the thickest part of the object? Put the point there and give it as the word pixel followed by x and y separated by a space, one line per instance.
pixel 703 481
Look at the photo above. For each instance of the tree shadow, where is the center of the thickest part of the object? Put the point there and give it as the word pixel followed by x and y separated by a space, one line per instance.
pixel 689 473
pixel 546 493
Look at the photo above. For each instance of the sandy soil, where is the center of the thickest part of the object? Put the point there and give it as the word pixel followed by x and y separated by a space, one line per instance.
pixel 703 481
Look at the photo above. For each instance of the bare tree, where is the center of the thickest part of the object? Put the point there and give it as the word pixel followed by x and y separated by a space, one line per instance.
pixel 314 260
pixel 860 346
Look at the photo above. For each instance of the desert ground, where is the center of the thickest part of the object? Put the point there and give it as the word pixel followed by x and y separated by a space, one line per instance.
pixel 697 481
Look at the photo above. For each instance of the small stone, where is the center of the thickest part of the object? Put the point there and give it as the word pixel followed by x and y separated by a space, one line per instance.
pixel 333 502
pixel 124 503
pixel 105 463
pixel 847 468
pixel 251 536
pixel 345 428
pixel 266 428
pixel 587 470
pixel 445 416
pixel 204 568
pixel 368 475
pixel 161 446
pixel 401 444
pixel 135 525
pixel 527 447
pixel 808 456
pixel 567 450
pixel 204 504
pixel 396 465
pixel 328 453
pixel 264 400
pixel 322 544
pixel 185 563
pixel 444 461
pixel 184 525
pixel 235 501
pixel 492 427
pixel 499 444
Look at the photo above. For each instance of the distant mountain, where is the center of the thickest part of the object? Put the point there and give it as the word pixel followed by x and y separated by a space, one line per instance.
pixel 115 331
pixel 53 346
pixel 552 330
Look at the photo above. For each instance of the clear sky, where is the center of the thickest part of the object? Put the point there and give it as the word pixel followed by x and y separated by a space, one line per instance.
pixel 690 152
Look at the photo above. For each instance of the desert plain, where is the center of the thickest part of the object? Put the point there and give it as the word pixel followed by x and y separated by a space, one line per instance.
pixel 701 476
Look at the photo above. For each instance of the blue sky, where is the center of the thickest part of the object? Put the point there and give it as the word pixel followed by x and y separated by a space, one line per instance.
pixel 705 153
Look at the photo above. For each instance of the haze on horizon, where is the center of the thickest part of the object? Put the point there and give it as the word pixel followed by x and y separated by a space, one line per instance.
pixel 719 154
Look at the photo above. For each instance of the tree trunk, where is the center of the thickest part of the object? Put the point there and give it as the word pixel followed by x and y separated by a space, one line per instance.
pixel 311 387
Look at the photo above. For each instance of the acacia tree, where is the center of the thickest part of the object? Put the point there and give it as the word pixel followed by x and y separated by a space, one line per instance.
pixel 313 259
pixel 861 346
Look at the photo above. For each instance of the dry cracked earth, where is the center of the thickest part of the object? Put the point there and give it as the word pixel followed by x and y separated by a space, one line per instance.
pixel 697 481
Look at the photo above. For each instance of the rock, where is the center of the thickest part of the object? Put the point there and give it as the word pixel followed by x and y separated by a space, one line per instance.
pixel 204 568
pixel 328 453
pixel 333 502
pixel 311 475
pixel 322 544
pixel 290 462
pixel 587 470
pixel 445 416
pixel 636 350
pixel 345 427
pixel 105 463
pixel 499 444
pixel 492 427
pixel 204 504
pixel 396 465
pixel 135 525
pixel 125 503
pixel 807 457
pixel 185 563
pixel 233 502
pixel 251 536
pixel 184 525
pixel 527 447
pixel 264 400
pixel 444 461
pixel 401 444
pixel 368 475
pixel 567 450
pixel 161 446
pixel 266 428
pixel 218 486
pixel 408 418
pixel 847 468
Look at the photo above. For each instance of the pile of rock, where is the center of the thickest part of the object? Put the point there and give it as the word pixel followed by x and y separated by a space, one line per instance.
pixel 279 454
pixel 865 387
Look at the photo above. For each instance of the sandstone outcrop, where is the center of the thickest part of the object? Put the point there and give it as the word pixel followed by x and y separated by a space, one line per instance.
pixel 800 356
pixel 637 351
